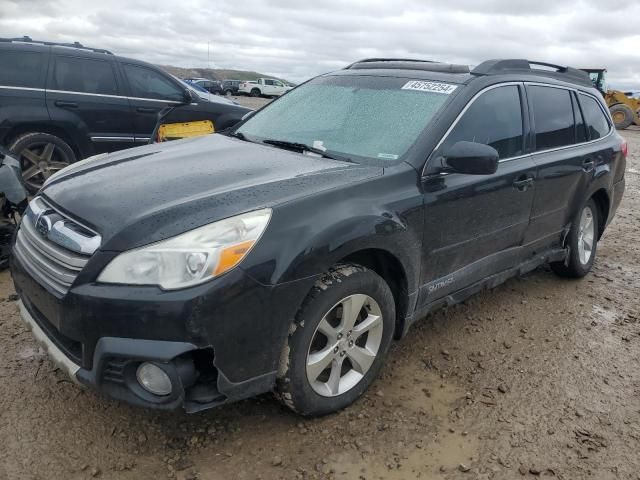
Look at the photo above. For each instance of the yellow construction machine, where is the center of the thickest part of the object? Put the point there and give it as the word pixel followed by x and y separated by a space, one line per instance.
pixel 624 110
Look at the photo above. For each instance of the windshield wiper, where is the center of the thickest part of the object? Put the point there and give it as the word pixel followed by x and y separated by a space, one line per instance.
pixel 238 135
pixel 303 147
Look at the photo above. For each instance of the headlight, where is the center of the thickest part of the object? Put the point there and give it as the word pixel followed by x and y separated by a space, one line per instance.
pixel 191 258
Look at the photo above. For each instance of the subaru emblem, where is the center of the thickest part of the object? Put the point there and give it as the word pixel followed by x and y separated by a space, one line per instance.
pixel 43 224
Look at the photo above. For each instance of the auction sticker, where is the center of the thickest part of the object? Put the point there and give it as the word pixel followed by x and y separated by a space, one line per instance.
pixel 433 87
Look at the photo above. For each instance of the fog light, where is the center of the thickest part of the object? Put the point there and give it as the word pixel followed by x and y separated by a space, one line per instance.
pixel 153 379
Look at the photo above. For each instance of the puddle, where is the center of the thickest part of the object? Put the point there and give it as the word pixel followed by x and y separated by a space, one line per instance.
pixel 435 460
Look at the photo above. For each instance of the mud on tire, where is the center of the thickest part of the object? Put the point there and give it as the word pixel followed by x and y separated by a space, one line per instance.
pixel 343 282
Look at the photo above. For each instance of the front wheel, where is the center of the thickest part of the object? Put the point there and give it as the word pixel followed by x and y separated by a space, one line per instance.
pixel 582 242
pixel 622 116
pixel 338 342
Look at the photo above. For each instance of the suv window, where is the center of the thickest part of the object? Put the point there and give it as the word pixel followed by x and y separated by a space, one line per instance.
pixel 495 119
pixel 581 131
pixel 596 120
pixel 21 69
pixel 147 83
pixel 553 117
pixel 75 74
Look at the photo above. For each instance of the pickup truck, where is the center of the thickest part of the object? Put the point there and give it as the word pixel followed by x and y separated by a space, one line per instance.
pixel 267 87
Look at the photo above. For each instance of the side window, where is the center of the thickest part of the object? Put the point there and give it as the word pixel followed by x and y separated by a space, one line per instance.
pixel 597 123
pixel 581 131
pixel 147 83
pixel 495 119
pixel 268 82
pixel 85 75
pixel 21 69
pixel 553 117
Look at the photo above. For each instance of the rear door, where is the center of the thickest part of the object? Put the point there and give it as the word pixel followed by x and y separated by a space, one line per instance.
pixel 149 92
pixel 564 159
pixel 475 224
pixel 85 96
pixel 22 80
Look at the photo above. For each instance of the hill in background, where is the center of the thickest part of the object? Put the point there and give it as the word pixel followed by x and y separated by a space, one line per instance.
pixel 215 73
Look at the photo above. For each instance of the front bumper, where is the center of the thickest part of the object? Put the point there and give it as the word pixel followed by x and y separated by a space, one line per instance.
pixel 229 331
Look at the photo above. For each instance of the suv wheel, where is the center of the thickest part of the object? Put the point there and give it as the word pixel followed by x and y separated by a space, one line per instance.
pixel 41 155
pixel 255 92
pixel 582 242
pixel 228 92
pixel 338 341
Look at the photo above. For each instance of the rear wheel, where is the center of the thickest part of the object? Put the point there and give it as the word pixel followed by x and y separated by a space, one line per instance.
pixel 41 155
pixel 622 116
pixel 255 92
pixel 337 345
pixel 582 242
pixel 228 93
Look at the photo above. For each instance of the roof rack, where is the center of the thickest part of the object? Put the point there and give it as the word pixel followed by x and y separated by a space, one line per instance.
pixel 78 45
pixel 568 74
pixel 407 64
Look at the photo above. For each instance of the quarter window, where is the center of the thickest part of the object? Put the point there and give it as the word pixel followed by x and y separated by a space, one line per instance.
pixel 74 74
pixel 147 83
pixel 581 131
pixel 597 123
pixel 21 69
pixel 495 119
pixel 553 117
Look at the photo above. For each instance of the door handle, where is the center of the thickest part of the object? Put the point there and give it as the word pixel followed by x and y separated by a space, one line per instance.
pixel 588 165
pixel 522 183
pixel 60 103
pixel 147 110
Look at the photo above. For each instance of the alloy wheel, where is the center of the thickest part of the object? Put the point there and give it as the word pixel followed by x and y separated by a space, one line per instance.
pixel 344 345
pixel 39 162
pixel 586 235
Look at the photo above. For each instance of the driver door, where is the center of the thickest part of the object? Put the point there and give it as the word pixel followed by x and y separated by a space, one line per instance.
pixel 475 225
pixel 150 91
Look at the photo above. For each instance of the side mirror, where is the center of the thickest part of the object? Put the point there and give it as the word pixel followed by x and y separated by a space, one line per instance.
pixel 471 158
pixel 187 97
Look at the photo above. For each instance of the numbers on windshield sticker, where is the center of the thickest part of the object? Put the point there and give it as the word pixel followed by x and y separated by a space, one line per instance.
pixel 432 87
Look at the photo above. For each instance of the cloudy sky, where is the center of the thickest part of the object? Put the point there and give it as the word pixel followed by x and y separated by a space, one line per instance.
pixel 297 39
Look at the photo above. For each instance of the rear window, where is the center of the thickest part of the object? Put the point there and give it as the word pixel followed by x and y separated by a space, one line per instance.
pixel 21 69
pixel 85 75
pixel 597 123
pixel 553 117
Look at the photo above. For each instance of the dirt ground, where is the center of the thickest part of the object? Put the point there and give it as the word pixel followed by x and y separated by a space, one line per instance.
pixel 539 377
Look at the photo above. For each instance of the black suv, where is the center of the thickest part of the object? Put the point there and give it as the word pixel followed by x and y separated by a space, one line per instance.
pixel 63 102
pixel 230 87
pixel 289 252
pixel 211 86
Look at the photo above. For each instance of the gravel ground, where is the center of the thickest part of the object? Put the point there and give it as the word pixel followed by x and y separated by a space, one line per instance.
pixel 539 377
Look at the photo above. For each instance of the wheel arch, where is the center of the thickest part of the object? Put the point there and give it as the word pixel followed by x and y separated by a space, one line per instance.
pixel 392 271
pixel 48 128
pixel 602 201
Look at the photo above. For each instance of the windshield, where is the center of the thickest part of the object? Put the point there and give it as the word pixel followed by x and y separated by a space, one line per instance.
pixel 361 117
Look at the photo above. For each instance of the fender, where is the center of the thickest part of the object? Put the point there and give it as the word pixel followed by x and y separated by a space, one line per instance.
pixel 318 240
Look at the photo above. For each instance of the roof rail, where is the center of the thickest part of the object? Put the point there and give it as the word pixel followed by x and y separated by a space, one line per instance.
pixel 407 64
pixel 78 45
pixel 568 74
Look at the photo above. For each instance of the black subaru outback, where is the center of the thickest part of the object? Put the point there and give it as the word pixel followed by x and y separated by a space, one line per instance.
pixel 288 253
pixel 64 102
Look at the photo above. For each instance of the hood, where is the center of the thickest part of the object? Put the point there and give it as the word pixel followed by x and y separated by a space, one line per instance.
pixel 145 194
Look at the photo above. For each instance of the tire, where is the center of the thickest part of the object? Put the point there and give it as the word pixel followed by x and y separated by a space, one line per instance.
pixel 303 385
pixel 576 265
pixel 622 116
pixel 255 92
pixel 41 155
pixel 228 93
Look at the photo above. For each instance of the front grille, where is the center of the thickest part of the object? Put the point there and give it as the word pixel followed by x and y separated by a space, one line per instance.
pixel 53 248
